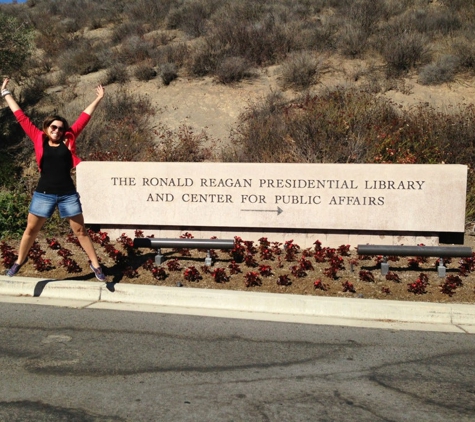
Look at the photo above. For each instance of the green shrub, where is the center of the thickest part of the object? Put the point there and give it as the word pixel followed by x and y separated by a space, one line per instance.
pixel 134 49
pixel 145 72
pixel 50 34
pixel 80 59
pixel 168 72
pixel 182 145
pixel 43 64
pixel 152 12
pixel 441 71
pixel 8 171
pixel 404 51
pixel 397 7
pixel 233 69
pixel 457 5
pixel 352 126
pixel 464 48
pixel 192 17
pixel 127 29
pixel 120 129
pixel 470 203
pixel 314 35
pixel 16 44
pixel 71 25
pixel 206 57
pixel 352 41
pixel 322 36
pixel 177 53
pixel 364 14
pixel 440 21
pixel 261 133
pixel 13 213
pixel 245 30
pixel 301 70
pixel 76 15
pixel 33 90
pixel 116 73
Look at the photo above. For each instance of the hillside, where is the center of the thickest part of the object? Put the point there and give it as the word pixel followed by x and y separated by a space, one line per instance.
pixel 202 63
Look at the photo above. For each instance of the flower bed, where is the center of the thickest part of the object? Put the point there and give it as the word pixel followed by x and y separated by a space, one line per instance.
pixel 263 266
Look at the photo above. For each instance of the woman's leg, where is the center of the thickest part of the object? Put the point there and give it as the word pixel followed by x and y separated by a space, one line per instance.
pixel 33 227
pixel 79 229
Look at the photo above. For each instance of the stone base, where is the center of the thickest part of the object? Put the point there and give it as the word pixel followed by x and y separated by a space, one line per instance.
pixel 305 239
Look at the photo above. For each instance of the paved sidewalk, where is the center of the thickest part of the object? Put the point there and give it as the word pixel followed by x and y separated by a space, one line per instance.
pixel 242 304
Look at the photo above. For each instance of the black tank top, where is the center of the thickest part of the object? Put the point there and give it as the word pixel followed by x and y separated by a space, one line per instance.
pixel 56 165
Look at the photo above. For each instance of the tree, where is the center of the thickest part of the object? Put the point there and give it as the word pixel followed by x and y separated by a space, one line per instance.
pixel 16 42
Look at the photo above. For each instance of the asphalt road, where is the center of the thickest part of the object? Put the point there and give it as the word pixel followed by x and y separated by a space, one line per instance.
pixel 62 364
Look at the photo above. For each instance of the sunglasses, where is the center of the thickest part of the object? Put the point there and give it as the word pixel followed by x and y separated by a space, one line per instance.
pixel 58 128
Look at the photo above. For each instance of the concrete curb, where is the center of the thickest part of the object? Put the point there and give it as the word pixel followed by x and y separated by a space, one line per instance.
pixel 244 301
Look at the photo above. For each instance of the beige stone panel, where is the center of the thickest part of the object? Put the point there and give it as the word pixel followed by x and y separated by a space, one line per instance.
pixel 377 197
pixel 335 240
pixel 425 240
pixel 358 239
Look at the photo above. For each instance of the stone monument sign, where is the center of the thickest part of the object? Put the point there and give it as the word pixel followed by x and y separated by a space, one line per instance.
pixel 379 198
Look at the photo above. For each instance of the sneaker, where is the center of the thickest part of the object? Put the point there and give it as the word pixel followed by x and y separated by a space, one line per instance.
pixel 98 273
pixel 15 268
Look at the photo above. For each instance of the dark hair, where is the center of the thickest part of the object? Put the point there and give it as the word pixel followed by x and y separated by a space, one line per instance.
pixel 50 119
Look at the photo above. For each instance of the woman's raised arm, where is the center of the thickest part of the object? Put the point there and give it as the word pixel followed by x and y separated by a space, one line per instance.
pixel 9 97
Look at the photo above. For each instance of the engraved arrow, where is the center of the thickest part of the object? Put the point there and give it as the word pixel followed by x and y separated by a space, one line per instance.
pixel 279 210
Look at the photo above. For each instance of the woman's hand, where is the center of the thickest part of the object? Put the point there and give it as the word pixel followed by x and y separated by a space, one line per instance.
pixel 100 91
pixel 7 95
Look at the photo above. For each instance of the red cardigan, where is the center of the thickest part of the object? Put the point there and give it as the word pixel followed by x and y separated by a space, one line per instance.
pixel 38 136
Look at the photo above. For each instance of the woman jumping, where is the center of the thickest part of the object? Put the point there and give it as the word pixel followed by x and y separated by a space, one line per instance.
pixel 55 149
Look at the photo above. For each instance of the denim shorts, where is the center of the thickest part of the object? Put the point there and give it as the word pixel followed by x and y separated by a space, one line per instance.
pixel 44 204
